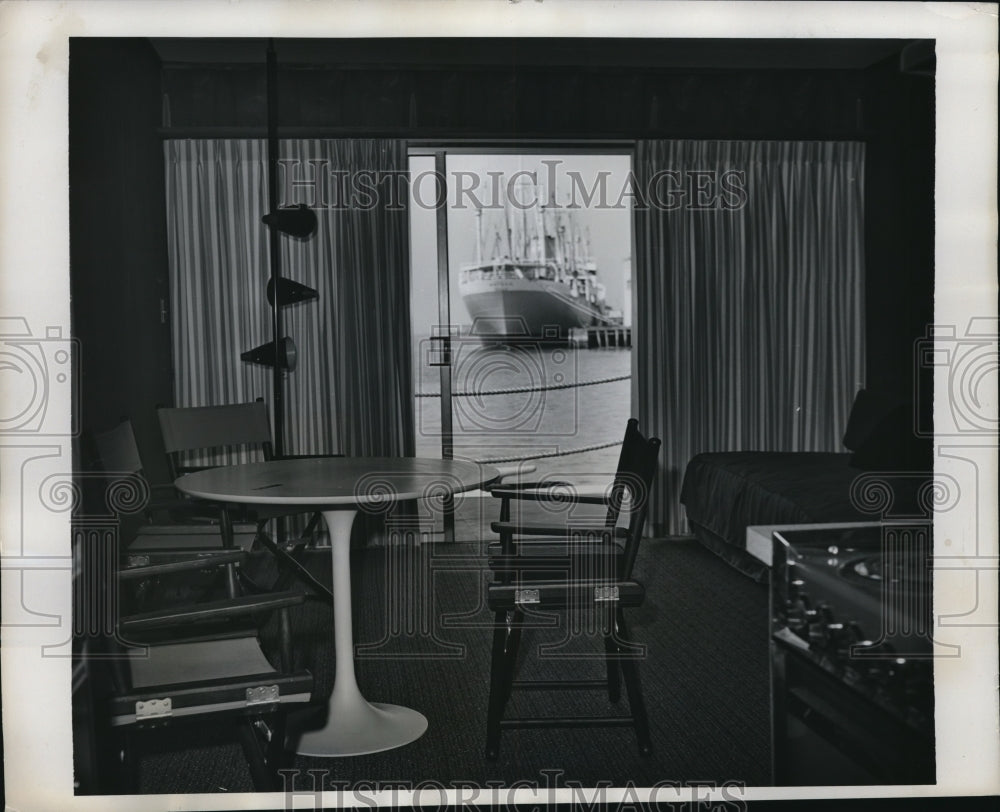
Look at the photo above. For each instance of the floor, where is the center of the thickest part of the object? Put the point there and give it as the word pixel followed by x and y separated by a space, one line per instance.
pixel 705 678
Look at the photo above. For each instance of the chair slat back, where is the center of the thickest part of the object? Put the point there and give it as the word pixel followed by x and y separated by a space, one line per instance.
pixel 118 450
pixel 197 428
pixel 635 474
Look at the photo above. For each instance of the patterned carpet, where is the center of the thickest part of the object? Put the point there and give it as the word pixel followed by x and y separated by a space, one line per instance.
pixel 705 681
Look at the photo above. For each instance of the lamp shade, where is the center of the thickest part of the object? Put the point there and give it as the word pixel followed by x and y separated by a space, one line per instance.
pixel 296 221
pixel 264 354
pixel 291 292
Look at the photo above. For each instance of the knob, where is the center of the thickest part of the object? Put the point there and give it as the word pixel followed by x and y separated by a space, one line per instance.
pixel 840 639
pixel 820 621
pixel 800 613
pixel 791 614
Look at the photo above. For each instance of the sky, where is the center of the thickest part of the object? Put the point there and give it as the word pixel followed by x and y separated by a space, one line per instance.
pixel 484 179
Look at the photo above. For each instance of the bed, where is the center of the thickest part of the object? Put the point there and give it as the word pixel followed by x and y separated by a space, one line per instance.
pixel 723 493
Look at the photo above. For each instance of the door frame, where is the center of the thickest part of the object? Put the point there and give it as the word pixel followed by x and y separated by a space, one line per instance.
pixel 439 149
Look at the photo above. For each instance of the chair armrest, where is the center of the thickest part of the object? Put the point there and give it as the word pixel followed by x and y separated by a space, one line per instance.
pixel 223 610
pixel 556 530
pixel 530 491
pixel 511 469
pixel 539 548
pixel 167 504
pixel 563 594
pixel 184 530
pixel 166 492
pixel 194 560
pixel 184 506
pixel 520 486
pixel 199 695
pixel 545 556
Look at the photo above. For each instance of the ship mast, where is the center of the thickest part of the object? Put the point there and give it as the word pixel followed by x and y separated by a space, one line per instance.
pixel 525 245
pixel 510 236
pixel 479 236
pixel 572 245
pixel 543 248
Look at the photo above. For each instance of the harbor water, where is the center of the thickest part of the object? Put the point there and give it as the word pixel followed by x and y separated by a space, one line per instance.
pixel 547 408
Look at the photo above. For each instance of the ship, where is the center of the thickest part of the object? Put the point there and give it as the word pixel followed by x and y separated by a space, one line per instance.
pixel 535 279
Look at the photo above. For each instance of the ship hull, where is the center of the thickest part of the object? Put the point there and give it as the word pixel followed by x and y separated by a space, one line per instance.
pixel 514 308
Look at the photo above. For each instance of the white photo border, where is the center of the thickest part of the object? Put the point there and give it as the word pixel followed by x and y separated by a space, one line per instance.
pixel 34 286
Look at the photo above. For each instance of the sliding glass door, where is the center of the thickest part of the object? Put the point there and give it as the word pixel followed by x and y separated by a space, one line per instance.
pixel 521 308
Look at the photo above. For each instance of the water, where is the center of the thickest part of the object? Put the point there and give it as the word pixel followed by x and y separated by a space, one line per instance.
pixel 524 424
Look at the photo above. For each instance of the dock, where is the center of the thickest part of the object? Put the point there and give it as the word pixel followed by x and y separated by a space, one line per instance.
pixel 612 335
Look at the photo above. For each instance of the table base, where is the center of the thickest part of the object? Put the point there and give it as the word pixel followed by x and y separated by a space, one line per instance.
pixel 365 727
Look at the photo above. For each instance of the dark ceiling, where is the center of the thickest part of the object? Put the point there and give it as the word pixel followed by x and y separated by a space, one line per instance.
pixel 701 54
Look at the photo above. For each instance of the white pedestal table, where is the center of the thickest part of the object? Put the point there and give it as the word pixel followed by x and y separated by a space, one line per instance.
pixel 338 487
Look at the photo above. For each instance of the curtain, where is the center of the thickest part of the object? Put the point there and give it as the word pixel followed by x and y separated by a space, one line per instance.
pixel 351 392
pixel 749 332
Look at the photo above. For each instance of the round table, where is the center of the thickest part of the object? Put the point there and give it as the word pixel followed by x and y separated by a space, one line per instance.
pixel 338 486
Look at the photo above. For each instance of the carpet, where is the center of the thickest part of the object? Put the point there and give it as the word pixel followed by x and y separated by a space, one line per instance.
pixel 705 681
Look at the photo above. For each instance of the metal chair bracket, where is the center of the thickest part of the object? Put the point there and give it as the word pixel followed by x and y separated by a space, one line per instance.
pixel 263 694
pixel 605 593
pixel 523 596
pixel 153 708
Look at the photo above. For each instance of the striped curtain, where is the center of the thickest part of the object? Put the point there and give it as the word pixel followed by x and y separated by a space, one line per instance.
pixel 749 289
pixel 352 390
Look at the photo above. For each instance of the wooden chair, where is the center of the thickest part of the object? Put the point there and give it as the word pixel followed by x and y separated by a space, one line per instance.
pixel 167 513
pixel 199 437
pixel 152 667
pixel 240 427
pixel 204 664
pixel 588 571
pixel 170 526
